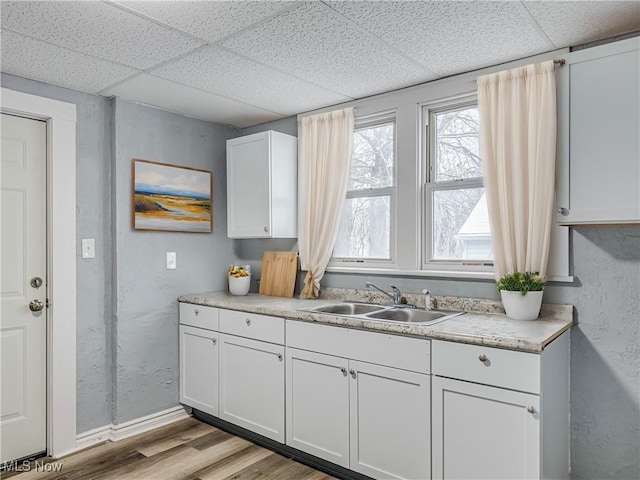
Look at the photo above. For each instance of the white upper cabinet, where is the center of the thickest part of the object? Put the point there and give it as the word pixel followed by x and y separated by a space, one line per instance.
pixel 599 135
pixel 262 185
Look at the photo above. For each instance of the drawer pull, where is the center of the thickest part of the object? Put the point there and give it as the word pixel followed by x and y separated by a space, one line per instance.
pixel 248 321
pixel 531 409
pixel 482 358
pixel 344 371
pixel 196 311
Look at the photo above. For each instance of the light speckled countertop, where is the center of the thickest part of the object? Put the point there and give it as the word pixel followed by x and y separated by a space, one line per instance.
pixel 483 324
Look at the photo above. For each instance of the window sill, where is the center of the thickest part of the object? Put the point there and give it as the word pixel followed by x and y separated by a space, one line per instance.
pixel 430 273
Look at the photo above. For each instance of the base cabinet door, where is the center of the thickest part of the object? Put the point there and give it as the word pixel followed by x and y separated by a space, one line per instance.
pixel 318 405
pixel 390 422
pixel 199 369
pixel 252 385
pixel 482 432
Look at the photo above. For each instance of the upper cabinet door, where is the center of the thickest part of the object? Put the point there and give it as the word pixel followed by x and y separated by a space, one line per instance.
pixel 599 166
pixel 262 181
pixel 248 186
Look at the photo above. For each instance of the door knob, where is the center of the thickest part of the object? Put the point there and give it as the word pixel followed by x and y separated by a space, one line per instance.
pixel 36 305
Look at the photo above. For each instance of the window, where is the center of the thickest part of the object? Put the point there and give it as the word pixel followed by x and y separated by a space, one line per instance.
pixel 366 228
pixel 456 220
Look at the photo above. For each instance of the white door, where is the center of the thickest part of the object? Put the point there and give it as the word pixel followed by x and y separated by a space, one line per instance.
pixel 390 422
pixel 23 259
pixel 199 369
pixel 252 385
pixel 318 405
pixel 248 186
pixel 482 432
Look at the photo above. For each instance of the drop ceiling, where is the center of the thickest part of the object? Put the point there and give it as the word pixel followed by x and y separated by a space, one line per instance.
pixel 247 62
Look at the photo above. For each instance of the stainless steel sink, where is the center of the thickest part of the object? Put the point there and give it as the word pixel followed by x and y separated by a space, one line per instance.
pixel 422 317
pixel 381 313
pixel 348 308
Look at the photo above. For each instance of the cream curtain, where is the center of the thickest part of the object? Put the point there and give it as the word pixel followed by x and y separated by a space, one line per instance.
pixel 325 146
pixel 518 150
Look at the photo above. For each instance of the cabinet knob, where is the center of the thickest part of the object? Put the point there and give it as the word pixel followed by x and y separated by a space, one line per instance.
pixel 482 358
pixel 563 211
pixel 214 341
pixel 196 311
pixel 248 321
pixel 344 371
pixel 531 409
pixel 266 229
pixel 352 372
pixel 280 356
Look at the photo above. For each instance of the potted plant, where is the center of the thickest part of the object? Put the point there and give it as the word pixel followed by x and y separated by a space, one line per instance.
pixel 239 280
pixel 521 294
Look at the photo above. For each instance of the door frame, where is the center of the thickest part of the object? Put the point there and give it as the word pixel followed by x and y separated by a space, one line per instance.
pixel 61 260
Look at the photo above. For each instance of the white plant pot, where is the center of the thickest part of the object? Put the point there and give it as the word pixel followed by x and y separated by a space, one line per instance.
pixel 521 307
pixel 239 285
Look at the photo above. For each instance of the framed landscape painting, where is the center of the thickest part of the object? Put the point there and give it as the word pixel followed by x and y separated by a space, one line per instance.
pixel 171 198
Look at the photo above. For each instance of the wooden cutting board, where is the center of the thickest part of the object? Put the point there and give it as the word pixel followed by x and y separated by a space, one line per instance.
pixel 278 277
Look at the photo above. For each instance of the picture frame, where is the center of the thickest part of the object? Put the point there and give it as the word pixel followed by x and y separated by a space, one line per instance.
pixel 171 198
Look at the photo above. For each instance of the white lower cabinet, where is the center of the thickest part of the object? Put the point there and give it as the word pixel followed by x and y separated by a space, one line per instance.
pixel 389 422
pixel 482 432
pixel 500 414
pixel 370 418
pixel 252 385
pixel 318 405
pixel 199 368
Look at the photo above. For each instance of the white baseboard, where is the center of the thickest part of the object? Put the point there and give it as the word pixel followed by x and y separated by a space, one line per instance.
pixel 144 424
pixel 127 429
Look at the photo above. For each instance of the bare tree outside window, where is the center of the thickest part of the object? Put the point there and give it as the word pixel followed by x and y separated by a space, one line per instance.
pixel 365 227
pixel 460 227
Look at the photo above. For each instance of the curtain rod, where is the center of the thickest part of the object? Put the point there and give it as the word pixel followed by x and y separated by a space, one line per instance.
pixel 560 63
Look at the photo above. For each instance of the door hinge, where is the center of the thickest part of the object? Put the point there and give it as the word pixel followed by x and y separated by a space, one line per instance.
pixel 46 303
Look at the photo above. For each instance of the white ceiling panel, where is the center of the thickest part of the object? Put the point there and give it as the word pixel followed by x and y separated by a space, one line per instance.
pixel 210 20
pixel 574 23
pixel 97 29
pixel 29 58
pixel 433 32
pixel 190 101
pixel 314 43
pixel 215 69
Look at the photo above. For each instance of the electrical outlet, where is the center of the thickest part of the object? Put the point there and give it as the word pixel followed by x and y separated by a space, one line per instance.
pixel 172 261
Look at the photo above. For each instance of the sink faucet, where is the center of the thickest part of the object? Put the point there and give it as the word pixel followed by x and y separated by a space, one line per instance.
pixel 396 296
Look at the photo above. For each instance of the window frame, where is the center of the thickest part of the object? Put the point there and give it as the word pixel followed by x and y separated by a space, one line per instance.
pixel 430 185
pixel 360 123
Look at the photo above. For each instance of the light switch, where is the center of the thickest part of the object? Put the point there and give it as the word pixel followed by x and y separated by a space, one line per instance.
pixel 171 261
pixel 88 248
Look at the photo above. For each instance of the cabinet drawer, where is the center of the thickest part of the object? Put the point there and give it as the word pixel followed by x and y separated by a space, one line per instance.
pixel 373 347
pixel 486 365
pixel 251 325
pixel 199 316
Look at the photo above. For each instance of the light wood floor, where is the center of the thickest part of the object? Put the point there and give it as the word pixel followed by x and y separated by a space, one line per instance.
pixel 188 449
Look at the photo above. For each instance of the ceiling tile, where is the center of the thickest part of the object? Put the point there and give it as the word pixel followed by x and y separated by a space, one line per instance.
pixel 189 101
pixel 217 70
pixel 575 23
pixel 450 37
pixel 208 20
pixel 29 58
pixel 312 42
pixel 97 29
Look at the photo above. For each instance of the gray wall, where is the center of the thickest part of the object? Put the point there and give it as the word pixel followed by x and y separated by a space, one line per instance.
pixel 93 220
pixel 145 293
